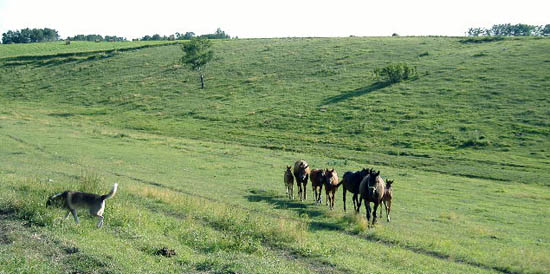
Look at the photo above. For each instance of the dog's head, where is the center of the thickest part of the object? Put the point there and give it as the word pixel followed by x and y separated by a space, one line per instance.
pixel 54 200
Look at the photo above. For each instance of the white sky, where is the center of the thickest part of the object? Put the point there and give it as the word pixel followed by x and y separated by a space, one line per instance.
pixel 273 18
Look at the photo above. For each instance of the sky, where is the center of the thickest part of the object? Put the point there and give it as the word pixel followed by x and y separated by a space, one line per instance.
pixel 269 18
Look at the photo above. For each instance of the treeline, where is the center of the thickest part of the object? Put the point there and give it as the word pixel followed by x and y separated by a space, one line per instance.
pixel 96 38
pixel 511 30
pixel 45 35
pixel 219 34
pixel 30 36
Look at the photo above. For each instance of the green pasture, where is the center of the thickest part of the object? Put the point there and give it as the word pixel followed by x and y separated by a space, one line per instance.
pixel 201 171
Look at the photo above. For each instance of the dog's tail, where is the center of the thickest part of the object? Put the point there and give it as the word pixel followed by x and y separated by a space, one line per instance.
pixel 110 194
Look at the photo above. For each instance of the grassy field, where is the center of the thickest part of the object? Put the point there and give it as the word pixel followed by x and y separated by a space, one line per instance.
pixel 200 171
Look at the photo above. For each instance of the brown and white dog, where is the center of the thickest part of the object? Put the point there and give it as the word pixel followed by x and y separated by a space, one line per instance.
pixel 93 202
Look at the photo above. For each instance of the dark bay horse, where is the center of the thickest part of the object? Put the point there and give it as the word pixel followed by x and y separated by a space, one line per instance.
pixel 301 173
pixel 317 178
pixel 372 189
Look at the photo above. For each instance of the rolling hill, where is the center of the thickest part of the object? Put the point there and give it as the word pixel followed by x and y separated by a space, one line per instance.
pixel 201 170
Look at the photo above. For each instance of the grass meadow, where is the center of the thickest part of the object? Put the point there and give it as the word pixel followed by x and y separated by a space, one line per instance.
pixel 200 172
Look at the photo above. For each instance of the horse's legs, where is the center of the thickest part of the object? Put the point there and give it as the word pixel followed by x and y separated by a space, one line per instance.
pixel 354 198
pixel 318 194
pixel 287 188
pixel 374 215
pixel 388 209
pixel 358 203
pixel 300 191
pixel 344 196
pixel 321 194
pixel 367 207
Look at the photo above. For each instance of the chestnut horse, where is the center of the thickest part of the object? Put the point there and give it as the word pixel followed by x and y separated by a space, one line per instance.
pixel 372 189
pixel 331 185
pixel 301 173
pixel 317 178
pixel 388 196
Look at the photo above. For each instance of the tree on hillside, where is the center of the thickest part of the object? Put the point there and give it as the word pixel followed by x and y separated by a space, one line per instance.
pixel 197 54
pixel 187 36
pixel 545 30
pixel 219 34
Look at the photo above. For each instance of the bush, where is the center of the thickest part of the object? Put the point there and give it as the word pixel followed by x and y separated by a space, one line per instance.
pixel 395 73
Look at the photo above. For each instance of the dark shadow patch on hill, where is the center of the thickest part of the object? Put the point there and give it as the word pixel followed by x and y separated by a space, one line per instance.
pixel 56 60
pixel 356 93
pixel 284 203
pixel 485 39
pixel 62 58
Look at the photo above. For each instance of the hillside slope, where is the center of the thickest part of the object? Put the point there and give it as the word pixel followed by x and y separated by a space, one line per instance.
pixel 200 171
pixel 483 107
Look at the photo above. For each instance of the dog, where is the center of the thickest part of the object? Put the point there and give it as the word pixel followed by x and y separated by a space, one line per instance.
pixel 73 200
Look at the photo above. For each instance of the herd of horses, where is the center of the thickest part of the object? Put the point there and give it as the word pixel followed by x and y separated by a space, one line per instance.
pixel 366 185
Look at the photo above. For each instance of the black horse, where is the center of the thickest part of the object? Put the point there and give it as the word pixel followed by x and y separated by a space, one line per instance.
pixel 352 180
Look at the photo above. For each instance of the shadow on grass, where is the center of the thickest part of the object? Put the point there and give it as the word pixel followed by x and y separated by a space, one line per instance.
pixel 304 209
pixel 358 92
pixel 62 58
pixel 284 203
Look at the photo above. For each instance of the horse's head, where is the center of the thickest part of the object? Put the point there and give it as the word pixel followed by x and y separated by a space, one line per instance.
pixel 364 172
pixel 373 174
pixel 388 184
pixel 303 171
pixel 331 177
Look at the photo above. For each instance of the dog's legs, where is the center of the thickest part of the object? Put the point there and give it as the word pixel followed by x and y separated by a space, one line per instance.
pixel 100 222
pixel 68 213
pixel 73 211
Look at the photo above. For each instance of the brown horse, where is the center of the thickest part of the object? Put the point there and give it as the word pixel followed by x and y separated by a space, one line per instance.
pixel 372 189
pixel 301 173
pixel 386 199
pixel 331 185
pixel 289 183
pixel 352 180
pixel 317 178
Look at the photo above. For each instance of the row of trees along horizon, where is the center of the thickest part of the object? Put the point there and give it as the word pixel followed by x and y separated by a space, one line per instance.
pixel 28 35
pixel 511 30
pixel 49 35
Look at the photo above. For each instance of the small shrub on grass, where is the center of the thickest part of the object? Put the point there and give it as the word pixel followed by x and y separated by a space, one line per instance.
pixel 395 73
pixel 357 222
pixel 475 140
pixel 90 182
